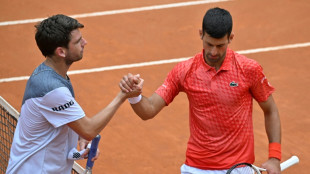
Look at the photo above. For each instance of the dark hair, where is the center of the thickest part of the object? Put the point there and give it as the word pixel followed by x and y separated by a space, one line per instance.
pixel 54 32
pixel 217 23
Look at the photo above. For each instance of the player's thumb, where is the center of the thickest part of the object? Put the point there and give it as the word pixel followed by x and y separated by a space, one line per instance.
pixel 140 84
pixel 136 78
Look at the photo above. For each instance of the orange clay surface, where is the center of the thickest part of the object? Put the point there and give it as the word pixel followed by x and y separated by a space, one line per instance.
pixel 130 145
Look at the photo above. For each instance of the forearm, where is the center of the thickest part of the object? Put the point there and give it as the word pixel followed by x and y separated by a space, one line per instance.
pixel 273 130
pixel 272 120
pixel 88 127
pixel 143 109
pixel 148 108
pixel 273 126
pixel 101 119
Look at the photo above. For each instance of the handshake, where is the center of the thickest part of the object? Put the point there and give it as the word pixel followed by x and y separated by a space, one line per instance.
pixel 131 85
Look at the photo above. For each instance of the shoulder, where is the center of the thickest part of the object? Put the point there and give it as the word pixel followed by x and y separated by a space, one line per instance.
pixel 181 69
pixel 46 79
pixel 250 68
pixel 42 81
pixel 186 64
pixel 246 64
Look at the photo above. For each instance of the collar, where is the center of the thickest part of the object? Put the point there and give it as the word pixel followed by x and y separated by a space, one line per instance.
pixel 227 63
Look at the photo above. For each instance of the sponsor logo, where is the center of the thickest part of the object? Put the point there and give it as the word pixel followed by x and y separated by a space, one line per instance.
pixel 233 84
pixel 263 79
pixel 63 107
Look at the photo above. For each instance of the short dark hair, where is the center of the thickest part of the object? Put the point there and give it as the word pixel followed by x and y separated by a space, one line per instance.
pixel 54 32
pixel 217 23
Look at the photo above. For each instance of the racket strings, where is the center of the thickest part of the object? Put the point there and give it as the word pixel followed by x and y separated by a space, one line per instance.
pixel 242 169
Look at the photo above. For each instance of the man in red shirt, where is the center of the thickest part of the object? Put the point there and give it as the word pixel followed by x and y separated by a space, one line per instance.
pixel 220 85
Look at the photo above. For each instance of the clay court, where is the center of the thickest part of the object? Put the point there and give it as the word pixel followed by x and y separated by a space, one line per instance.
pixel 274 33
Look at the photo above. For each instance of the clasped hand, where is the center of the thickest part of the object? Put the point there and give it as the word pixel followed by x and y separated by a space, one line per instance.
pixel 131 85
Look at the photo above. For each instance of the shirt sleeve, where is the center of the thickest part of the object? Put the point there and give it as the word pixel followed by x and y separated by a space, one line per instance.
pixel 59 107
pixel 261 89
pixel 171 86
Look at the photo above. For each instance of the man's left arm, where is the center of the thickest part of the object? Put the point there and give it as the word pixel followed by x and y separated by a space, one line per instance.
pixel 273 130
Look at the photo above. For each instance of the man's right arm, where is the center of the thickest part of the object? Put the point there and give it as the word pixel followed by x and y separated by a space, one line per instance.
pixel 88 127
pixel 148 107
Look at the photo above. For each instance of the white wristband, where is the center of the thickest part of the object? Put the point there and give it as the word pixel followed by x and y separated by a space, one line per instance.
pixel 134 100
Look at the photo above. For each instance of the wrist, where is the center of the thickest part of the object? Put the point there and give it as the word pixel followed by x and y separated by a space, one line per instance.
pixel 121 96
pixel 135 100
pixel 275 150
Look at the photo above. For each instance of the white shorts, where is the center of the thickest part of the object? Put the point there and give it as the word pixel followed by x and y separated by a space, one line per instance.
pixel 185 169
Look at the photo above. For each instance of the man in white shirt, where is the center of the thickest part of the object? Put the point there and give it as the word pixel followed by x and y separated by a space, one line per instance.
pixel 51 120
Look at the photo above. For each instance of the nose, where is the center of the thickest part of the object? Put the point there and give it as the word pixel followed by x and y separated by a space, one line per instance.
pixel 214 51
pixel 84 42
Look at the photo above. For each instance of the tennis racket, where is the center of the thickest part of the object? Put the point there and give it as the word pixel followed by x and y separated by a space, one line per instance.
pixel 92 153
pixel 247 168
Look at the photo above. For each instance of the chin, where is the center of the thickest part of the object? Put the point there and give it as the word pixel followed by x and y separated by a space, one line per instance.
pixel 80 58
pixel 213 60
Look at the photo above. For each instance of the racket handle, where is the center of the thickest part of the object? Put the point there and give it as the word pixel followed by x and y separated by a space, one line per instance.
pixel 88 171
pixel 288 163
pixel 92 152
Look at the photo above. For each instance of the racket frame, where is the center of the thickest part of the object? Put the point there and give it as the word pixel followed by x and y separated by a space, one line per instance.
pixel 284 165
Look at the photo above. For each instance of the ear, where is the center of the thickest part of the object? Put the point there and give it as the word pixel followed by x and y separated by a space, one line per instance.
pixel 231 37
pixel 60 51
pixel 200 34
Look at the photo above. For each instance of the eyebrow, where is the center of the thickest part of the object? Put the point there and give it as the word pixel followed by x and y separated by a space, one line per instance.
pixel 215 45
pixel 78 40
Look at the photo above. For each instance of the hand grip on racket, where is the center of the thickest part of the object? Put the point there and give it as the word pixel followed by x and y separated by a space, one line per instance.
pixel 243 168
pixel 92 153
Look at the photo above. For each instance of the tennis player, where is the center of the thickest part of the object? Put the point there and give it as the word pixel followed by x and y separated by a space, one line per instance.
pixel 220 85
pixel 51 120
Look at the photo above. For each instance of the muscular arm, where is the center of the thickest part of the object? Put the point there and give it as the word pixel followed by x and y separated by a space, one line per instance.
pixel 273 130
pixel 272 120
pixel 88 127
pixel 147 108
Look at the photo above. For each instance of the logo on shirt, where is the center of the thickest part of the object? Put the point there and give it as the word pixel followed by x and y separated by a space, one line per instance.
pixel 263 79
pixel 233 84
pixel 63 107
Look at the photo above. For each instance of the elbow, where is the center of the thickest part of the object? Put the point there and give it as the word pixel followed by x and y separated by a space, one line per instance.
pixel 88 138
pixel 146 117
pixel 89 135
